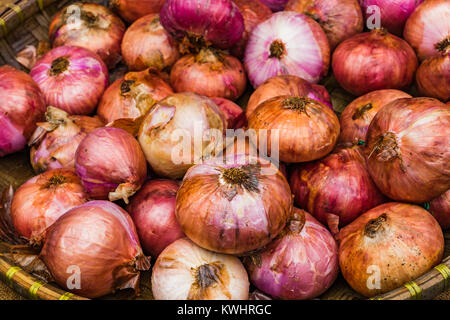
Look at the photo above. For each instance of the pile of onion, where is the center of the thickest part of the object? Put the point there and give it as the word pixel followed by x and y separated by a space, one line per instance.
pixel 21 106
pixel 131 10
pixel 185 271
pixel 388 246
pixel 408 147
pixel 275 5
pixel 91 26
pixel 440 209
pixel 97 242
pixel 433 76
pixel 301 263
pixel 71 78
pixel 234 115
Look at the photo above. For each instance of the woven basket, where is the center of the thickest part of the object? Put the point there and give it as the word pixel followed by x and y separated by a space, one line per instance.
pixel 25 23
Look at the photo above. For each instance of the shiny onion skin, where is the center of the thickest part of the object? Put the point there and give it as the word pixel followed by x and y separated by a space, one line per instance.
pixel 147 45
pixel 400 241
pixel 428 28
pixel 131 10
pixel 408 147
pixel 287 85
pixel 301 263
pixel 21 106
pixel 433 76
pixel 275 5
pixel 210 73
pixel 40 201
pixel 54 143
pixel 358 115
pixel 90 26
pixel 287 43
pixel 111 164
pixel 71 78
pixel 373 61
pixel 308 130
pixel 340 19
pixel 185 271
pixel 440 209
pixel 231 206
pixel 234 115
pixel 100 239
pixel 132 96
pixel 153 212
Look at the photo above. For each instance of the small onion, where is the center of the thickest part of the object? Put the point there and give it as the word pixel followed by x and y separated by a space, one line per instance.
pixel 275 5
pixel 234 115
pixel 71 78
pixel 287 43
pixel 433 76
pixel 440 209
pixel 185 271
pixel 400 242
pixel 98 240
pixel 131 10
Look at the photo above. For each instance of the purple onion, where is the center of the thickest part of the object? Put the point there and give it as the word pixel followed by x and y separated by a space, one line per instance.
pixel 275 5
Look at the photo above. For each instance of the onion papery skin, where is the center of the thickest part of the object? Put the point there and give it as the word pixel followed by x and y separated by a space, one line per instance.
pixel 275 5
pixel 408 147
pixel 400 242
pixel 428 28
pixel 184 271
pixel 340 19
pixel 301 263
pixel 147 45
pixel 153 212
pixel 132 96
pixel 231 206
pixel 111 164
pixel 131 10
pixel 234 115
pixel 40 201
pixel 287 43
pixel 99 239
pixel 307 129
pixel 21 106
pixel 440 209
pixel 204 22
pixel 287 85
pixel 358 115
pixel 185 116
pixel 71 78
pixel 433 77
pixel 373 61
pixel 209 73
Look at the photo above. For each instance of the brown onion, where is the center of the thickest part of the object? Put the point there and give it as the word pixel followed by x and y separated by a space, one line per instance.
pixel 131 10
pixel 234 115
pixel 433 76
pixel 440 209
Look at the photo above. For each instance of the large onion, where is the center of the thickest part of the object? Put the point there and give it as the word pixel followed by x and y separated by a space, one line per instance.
pixel 131 10
pixel 93 250
pixel 275 5
pixel 408 146
pixel 433 76
pixel 440 209
pixel 185 271
pixel 389 246
pixel 234 115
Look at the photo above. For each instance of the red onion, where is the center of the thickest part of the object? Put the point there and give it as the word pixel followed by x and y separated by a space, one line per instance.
pixel 340 19
pixel 388 246
pixel 372 61
pixel 301 263
pixel 440 209
pixel 433 76
pixel 97 242
pixel 408 147
pixel 21 106
pixel 275 5
pixel 185 271
pixel 131 10
pixel 259 295
pixel 287 43
pixel 234 115
pixel 71 78
pixel 111 164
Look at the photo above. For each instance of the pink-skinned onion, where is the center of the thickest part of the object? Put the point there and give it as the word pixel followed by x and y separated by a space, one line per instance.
pixel 131 10
pixel 275 5
pixel 433 76
pixel 234 115
pixel 440 209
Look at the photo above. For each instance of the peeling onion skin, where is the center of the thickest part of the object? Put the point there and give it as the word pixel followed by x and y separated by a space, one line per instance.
pixel 404 241
pixel 408 148
pixel 131 10
pixel 440 209
pixel 275 5
pixel 433 77
pixel 184 271
pixel 100 239
pixel 234 115
pixel 301 263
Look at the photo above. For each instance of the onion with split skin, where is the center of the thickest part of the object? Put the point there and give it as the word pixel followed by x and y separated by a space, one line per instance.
pixel 433 76
pixel 131 10
pixel 440 209
pixel 234 115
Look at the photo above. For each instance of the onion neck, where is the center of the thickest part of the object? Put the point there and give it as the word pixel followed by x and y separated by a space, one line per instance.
pixel 375 226
pixel 125 86
pixel 296 103
pixel 59 65
pixel 208 275
pixel 443 46
pixel 359 113
pixel 386 149
pixel 209 55
pixel 57 117
pixel 193 43
pixel 297 222
pixel 89 18
pixel 277 49
pixel 244 177
pixel 380 31
pixel 55 181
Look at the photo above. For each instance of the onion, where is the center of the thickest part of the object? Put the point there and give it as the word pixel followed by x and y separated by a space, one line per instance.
pixel 54 143
pixel 232 206
pixel 21 106
pixel 91 26
pixel 210 73
pixel 234 115
pixel 433 76
pixel 275 5
pixel 132 96
pixel 440 209
pixel 287 43
pixel 131 10
pixel 428 28
pixel 358 115
pixel 389 246
pixel 307 129
pixel 408 146
pixel 97 242
pixel 111 164
pixel 372 61
pixel 147 45
pixel 301 263
pixel 340 19
pixel 185 271
pixel 71 78
pixel 259 295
